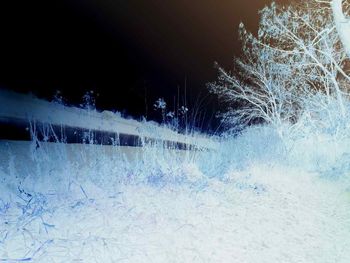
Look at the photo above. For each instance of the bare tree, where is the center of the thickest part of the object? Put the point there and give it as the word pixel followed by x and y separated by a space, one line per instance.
pixel 296 55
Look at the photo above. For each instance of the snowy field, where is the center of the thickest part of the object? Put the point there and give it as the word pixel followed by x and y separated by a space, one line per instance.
pixel 245 202
pixel 277 192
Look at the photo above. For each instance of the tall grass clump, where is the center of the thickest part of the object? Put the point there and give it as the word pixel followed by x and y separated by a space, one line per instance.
pixel 49 174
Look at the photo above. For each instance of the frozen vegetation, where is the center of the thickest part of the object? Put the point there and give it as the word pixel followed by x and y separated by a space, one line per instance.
pixel 275 188
pixel 251 200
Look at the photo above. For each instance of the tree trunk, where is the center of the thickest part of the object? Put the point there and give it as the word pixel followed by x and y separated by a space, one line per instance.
pixel 342 24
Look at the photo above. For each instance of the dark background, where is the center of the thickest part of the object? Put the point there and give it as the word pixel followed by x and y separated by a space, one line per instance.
pixel 129 52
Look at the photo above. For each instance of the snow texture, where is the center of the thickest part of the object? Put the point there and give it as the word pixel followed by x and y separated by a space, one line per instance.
pixel 273 193
pixel 18 107
pixel 247 201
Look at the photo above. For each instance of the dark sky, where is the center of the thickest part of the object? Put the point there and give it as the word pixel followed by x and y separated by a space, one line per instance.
pixel 122 49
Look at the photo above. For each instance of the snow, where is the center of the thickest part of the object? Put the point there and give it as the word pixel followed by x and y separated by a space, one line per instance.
pixel 274 193
pixel 19 107
pixel 95 203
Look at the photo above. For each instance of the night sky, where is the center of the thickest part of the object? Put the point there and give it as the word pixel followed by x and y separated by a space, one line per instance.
pixel 130 52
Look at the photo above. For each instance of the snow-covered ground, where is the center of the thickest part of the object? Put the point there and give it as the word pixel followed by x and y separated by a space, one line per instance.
pixel 246 202
pixel 24 108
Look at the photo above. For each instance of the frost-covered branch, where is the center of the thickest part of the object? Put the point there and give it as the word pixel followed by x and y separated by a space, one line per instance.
pixel 296 55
